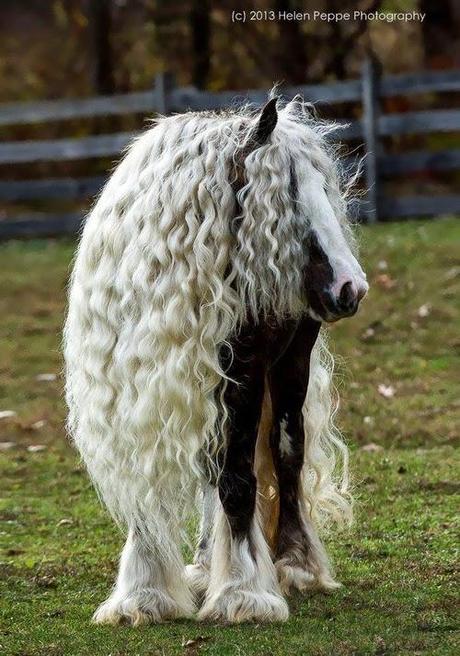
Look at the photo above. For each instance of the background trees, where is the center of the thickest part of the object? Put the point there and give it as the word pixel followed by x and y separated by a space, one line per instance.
pixel 81 47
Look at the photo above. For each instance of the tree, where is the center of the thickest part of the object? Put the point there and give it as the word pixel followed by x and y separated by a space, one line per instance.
pixel 440 32
pixel 200 27
pixel 291 56
pixel 103 61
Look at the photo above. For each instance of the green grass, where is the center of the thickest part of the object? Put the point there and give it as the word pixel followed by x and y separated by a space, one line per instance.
pixel 59 549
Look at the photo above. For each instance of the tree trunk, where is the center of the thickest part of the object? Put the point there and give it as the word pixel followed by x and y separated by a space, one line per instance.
pixel 292 57
pixel 440 31
pixel 103 64
pixel 200 24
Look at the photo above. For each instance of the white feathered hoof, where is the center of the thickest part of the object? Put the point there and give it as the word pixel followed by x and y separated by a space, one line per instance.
pixel 234 606
pixel 197 577
pixel 140 607
pixel 292 576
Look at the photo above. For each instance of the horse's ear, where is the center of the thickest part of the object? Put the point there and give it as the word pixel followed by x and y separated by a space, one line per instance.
pixel 266 123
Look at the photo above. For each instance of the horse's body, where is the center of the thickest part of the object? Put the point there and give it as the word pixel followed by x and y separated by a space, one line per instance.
pixel 194 357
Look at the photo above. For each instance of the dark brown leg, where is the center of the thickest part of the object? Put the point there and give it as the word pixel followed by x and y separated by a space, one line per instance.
pixel 301 560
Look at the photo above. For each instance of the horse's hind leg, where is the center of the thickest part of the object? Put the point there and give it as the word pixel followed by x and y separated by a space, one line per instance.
pixel 301 560
pixel 198 573
pixel 150 586
pixel 243 584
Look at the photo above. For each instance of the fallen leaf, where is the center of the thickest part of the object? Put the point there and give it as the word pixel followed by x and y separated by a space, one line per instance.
pixel 380 646
pixel 55 613
pixel 424 310
pixel 45 581
pixel 37 425
pixel 36 448
pixel 371 447
pixel 385 281
pixel 194 642
pixel 6 446
pixel 7 414
pixel 368 333
pixel 372 329
pixel 64 522
pixel 45 378
pixel 452 273
pixel 387 391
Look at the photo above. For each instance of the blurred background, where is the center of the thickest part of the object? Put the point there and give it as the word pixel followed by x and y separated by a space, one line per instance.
pixel 123 54
pixel 78 79
pixel 74 48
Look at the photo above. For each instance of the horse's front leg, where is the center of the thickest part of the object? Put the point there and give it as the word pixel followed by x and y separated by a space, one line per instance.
pixel 301 560
pixel 243 583
pixel 149 585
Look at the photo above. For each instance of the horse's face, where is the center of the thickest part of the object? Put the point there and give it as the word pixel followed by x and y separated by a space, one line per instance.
pixel 335 281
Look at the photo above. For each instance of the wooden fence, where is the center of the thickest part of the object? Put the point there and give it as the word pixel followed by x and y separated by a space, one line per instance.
pixel 165 97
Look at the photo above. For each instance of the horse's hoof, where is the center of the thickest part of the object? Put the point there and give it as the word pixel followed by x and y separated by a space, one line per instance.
pixel 197 577
pixel 140 607
pixel 301 577
pixel 236 606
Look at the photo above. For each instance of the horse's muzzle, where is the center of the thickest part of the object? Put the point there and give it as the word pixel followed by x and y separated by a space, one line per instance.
pixel 331 307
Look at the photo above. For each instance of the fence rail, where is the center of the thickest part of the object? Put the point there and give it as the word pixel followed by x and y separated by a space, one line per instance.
pixel 107 145
pixel 179 99
pixel 70 188
pixel 165 98
pixel 104 145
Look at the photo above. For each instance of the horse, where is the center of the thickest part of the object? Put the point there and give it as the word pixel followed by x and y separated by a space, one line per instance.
pixel 197 368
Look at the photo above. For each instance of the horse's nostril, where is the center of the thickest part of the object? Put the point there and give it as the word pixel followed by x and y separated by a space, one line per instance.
pixel 347 297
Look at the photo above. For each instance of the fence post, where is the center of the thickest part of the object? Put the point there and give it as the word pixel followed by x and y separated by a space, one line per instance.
pixel 164 83
pixel 370 77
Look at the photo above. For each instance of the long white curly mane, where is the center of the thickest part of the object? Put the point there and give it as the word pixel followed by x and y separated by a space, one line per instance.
pixel 170 262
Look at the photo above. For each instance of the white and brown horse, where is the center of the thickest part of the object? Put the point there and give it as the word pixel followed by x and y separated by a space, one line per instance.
pixel 196 361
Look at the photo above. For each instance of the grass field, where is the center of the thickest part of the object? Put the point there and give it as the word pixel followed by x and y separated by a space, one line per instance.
pixel 399 380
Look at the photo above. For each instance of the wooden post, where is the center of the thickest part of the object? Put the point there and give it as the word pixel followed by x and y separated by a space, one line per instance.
pixel 370 78
pixel 164 83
